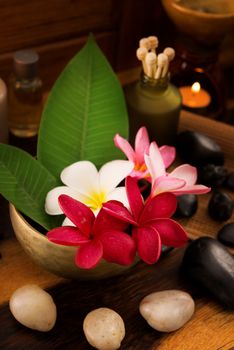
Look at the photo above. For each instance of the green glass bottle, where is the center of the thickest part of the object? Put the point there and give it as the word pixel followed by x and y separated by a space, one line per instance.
pixel 155 104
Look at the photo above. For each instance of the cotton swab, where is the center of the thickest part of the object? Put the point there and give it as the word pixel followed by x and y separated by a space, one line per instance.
pixel 150 61
pixel 170 53
pixel 162 61
pixel 153 43
pixel 141 54
pixel 154 66
pixel 144 42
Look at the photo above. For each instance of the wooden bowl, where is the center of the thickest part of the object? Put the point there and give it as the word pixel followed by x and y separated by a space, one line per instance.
pixel 57 258
pixel 206 21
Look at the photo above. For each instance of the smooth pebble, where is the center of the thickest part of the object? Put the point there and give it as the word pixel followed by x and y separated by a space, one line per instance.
pixel 33 307
pixel 212 175
pixel 220 206
pixel 198 149
pixel 187 205
pixel 168 310
pixel 210 266
pixel 226 234
pixel 229 183
pixel 104 329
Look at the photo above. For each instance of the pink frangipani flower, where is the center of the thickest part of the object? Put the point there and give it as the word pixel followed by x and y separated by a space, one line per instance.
pixel 142 145
pixel 97 237
pixel 182 180
pixel 151 221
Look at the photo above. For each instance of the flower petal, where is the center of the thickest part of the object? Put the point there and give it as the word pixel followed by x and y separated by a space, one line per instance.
pixel 52 206
pixel 134 197
pixel 118 247
pixel 112 173
pixel 119 194
pixel 70 236
pixel 82 176
pixel 141 144
pixel 89 254
pixel 154 162
pixel 195 189
pixel 118 211
pixel 161 206
pixel 166 184
pixel 78 213
pixel 138 174
pixel 185 172
pixel 168 154
pixel 148 244
pixel 125 147
pixel 172 234
pixel 105 221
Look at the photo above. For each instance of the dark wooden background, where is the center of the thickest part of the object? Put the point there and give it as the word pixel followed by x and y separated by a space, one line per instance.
pixel 57 30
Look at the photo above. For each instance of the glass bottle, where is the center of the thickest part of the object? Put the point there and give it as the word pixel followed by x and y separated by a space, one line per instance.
pixel 155 104
pixel 25 95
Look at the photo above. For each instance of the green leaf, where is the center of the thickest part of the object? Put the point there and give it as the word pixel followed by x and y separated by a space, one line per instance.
pixel 25 182
pixel 85 109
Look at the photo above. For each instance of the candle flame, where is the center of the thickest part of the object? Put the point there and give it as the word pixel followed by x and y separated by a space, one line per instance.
pixel 196 87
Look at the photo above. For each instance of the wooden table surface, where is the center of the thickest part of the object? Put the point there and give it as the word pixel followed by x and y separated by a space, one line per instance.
pixel 211 328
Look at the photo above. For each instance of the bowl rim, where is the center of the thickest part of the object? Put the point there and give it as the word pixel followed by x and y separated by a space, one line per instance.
pixel 15 211
pixel 188 11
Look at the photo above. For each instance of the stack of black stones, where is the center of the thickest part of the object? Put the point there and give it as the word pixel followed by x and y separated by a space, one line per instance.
pixel 207 262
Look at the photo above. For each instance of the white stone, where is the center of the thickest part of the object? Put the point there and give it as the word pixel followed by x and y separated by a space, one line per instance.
pixel 33 307
pixel 104 329
pixel 168 310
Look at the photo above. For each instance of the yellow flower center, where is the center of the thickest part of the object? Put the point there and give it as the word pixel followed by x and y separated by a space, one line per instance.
pixel 95 200
pixel 140 167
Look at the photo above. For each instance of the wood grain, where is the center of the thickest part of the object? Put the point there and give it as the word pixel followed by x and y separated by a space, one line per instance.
pixel 55 56
pixel 56 30
pixel 16 269
pixel 26 23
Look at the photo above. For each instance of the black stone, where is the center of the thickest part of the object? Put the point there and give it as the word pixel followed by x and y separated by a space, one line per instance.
pixel 226 234
pixel 198 149
pixel 229 183
pixel 212 175
pixel 209 265
pixel 220 206
pixel 186 205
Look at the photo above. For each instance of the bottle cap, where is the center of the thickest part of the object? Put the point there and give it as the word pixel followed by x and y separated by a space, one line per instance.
pixel 26 64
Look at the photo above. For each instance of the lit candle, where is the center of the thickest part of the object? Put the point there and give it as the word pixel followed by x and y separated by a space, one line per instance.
pixel 3 112
pixel 195 97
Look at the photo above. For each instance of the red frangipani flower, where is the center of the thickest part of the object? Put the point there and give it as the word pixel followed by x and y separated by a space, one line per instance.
pixel 151 221
pixel 97 238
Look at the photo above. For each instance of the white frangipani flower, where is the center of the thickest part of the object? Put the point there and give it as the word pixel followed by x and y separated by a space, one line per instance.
pixel 83 182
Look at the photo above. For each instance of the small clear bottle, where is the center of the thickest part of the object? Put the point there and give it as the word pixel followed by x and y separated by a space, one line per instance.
pixel 155 104
pixel 25 95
